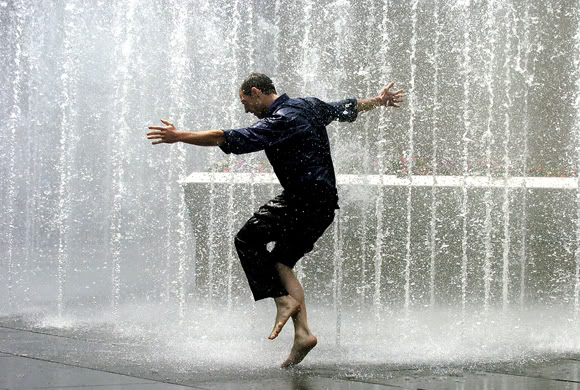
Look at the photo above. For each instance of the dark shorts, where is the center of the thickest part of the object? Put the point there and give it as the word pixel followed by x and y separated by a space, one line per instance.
pixel 292 226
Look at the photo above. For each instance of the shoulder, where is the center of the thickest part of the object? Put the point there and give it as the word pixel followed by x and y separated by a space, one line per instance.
pixel 298 105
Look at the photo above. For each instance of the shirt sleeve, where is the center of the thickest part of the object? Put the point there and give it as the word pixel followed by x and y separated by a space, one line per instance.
pixel 343 111
pixel 266 132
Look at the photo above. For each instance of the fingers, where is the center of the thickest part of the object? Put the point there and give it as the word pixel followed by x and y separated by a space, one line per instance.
pixel 159 136
pixel 156 135
pixel 389 86
pixel 396 101
pixel 391 98
pixel 167 123
pixel 159 139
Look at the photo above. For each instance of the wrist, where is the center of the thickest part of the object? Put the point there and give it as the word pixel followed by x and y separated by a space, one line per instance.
pixel 180 135
pixel 377 101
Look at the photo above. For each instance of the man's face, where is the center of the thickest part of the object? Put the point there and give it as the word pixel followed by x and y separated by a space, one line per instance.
pixel 253 104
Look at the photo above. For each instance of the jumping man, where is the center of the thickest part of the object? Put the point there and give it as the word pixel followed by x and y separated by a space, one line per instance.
pixel 293 134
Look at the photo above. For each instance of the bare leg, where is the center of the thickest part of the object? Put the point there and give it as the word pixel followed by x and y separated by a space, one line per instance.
pixel 304 340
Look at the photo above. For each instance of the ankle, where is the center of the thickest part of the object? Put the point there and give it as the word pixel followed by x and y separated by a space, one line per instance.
pixel 301 331
pixel 286 300
pixel 303 336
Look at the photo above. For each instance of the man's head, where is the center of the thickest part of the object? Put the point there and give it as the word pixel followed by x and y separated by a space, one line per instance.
pixel 257 93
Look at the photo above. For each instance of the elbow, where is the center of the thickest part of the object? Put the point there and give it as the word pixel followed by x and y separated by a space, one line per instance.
pixel 219 137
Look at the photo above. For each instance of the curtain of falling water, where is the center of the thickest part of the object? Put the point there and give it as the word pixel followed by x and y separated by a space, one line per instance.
pixel 309 68
pixel 125 38
pixel 411 151
pixel 368 121
pixel 214 224
pixel 343 9
pixel 108 85
pixel 69 180
pixel 337 275
pixel 379 209
pixel 488 136
pixel 252 157
pixel 435 125
pixel 211 233
pixel 212 227
pixel 68 140
pixel 576 131
pixel 276 58
pixel 178 64
pixel 14 122
pixel 235 48
pixel 466 70
pixel 31 163
pixel 249 19
pixel 508 66
pixel 525 47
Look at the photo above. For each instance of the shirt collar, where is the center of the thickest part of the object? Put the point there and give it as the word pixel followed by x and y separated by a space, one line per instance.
pixel 281 99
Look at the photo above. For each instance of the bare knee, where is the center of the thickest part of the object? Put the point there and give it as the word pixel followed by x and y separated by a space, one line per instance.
pixel 283 268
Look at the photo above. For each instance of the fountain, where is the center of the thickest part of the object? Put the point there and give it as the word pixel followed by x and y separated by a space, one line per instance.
pixel 459 226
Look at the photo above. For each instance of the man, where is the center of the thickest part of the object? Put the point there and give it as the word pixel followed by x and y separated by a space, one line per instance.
pixel 293 134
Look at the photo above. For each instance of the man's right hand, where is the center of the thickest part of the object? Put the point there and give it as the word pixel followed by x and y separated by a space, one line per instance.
pixel 166 135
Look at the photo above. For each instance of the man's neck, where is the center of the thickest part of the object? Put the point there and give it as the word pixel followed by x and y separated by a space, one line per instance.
pixel 269 99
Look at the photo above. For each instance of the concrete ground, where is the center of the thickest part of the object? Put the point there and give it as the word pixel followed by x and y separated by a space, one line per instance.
pixel 31 359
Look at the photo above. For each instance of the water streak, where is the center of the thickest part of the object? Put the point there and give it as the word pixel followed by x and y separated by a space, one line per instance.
pixel 577 134
pixel 370 88
pixel 338 274
pixel 435 129
pixel 179 66
pixel 527 76
pixel 68 141
pixel 309 65
pixel 488 137
pixel 507 163
pixel 234 48
pixel 411 152
pixel 125 36
pixel 14 121
pixel 466 69
pixel 379 206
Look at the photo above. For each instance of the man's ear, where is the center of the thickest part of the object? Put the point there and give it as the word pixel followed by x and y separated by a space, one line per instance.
pixel 255 92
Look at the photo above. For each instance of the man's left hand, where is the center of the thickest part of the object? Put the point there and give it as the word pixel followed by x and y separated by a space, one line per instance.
pixel 387 97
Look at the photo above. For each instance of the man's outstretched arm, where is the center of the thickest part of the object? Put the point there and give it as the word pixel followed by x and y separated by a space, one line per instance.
pixel 168 134
pixel 386 97
pixel 347 110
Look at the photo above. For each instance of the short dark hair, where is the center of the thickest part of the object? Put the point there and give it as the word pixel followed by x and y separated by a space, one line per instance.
pixel 260 81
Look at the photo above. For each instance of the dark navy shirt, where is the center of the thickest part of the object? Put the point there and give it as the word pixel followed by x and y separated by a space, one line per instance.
pixel 293 135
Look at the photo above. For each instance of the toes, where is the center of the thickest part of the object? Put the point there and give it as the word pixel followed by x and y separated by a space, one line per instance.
pixel 276 331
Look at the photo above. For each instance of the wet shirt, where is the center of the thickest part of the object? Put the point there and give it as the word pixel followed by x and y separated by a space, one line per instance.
pixel 293 135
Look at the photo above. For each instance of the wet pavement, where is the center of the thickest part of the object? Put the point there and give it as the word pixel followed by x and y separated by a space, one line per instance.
pixel 33 359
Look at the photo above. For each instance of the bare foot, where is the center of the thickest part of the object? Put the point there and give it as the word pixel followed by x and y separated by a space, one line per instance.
pixel 286 307
pixel 300 349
